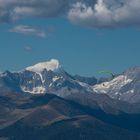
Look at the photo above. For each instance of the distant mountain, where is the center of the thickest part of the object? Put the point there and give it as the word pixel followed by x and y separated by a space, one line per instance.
pixel 44 102
pixel 88 80
pixel 50 77
pixel 124 87
pixel 45 77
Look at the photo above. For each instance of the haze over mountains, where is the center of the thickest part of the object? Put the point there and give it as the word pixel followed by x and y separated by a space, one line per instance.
pixel 42 98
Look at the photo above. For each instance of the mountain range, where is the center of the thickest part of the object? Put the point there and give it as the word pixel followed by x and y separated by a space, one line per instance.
pixel 44 102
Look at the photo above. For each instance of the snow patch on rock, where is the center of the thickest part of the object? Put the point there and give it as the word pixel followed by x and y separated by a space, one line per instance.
pixel 35 90
pixel 116 84
pixel 52 65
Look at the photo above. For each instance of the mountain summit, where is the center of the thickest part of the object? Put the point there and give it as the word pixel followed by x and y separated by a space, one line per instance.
pixel 52 65
pixel 49 77
pixel 45 77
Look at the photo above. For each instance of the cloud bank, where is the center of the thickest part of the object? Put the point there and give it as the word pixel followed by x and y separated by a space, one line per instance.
pixel 28 30
pixel 106 13
pixel 90 13
pixel 11 10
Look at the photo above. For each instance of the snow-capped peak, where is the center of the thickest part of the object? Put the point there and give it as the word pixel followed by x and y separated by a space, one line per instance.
pixel 114 85
pixel 52 65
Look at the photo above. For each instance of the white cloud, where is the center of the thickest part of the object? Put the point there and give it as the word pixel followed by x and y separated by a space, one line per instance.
pixel 28 30
pixel 90 13
pixel 27 48
pixel 106 13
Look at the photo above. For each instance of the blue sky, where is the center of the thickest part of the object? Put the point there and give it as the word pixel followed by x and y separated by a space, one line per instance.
pixel 80 49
